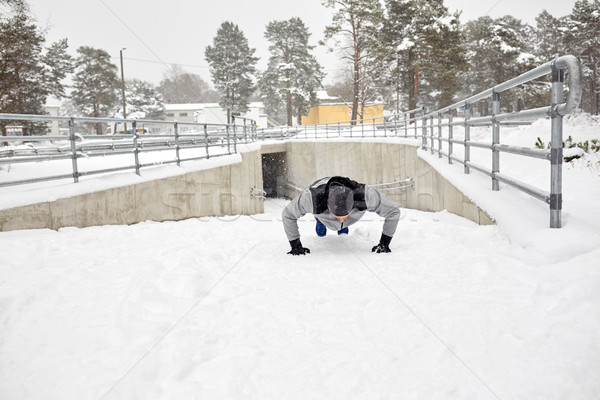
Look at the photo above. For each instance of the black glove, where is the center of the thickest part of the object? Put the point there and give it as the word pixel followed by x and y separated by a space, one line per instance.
pixel 297 248
pixel 383 246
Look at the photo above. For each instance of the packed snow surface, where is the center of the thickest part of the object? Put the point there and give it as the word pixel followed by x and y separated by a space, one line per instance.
pixel 214 308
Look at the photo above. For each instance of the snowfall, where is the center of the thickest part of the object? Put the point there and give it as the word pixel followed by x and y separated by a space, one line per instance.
pixel 215 308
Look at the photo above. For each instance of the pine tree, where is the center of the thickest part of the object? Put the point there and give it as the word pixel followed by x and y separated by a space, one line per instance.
pixel 232 67
pixel 357 22
pixel 498 50
pixel 29 73
pixel 59 64
pixel 583 38
pixel 549 37
pixel 16 6
pixel 293 74
pixel 421 53
pixel 178 86
pixel 95 84
pixel 143 99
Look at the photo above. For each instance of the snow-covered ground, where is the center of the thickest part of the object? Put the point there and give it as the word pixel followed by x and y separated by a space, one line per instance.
pixel 214 308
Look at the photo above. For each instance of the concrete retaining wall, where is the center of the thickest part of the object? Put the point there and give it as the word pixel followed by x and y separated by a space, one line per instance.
pixel 218 191
pixel 225 190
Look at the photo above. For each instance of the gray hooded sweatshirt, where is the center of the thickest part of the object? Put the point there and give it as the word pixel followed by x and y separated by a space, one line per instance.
pixel 374 199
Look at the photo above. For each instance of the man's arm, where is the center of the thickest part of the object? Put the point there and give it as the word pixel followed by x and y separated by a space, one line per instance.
pixel 298 207
pixel 386 208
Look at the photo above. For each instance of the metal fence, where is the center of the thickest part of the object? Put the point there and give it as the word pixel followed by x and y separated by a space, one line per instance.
pixel 417 123
pixel 176 142
pixel 556 111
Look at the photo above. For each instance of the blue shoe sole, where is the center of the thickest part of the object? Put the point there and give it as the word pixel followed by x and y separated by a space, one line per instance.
pixel 343 231
pixel 321 229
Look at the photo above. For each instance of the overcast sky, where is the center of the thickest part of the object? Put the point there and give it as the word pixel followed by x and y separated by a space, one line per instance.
pixel 156 33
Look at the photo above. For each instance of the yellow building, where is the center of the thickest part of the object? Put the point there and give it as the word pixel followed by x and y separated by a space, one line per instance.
pixel 340 112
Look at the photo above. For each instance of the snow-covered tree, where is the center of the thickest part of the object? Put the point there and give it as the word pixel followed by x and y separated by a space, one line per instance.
pixel 353 28
pixel 179 86
pixel 583 39
pixel 420 54
pixel 58 65
pixel 15 6
pixel 232 67
pixel 95 84
pixel 549 39
pixel 143 98
pixel 29 73
pixel 293 74
pixel 498 50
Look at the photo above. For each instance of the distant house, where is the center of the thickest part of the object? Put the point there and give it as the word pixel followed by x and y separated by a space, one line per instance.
pixel 53 108
pixel 332 109
pixel 212 113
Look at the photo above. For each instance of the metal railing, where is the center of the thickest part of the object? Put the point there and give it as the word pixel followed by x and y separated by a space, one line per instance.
pixel 176 142
pixel 556 111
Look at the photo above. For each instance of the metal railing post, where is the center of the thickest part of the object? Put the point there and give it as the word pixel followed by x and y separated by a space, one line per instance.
pixel 405 125
pixel 136 150
pixel 467 137
pixel 73 150
pixel 228 139
pixel 245 132
pixel 556 155
pixel 206 140
pixel 439 135
pixel 431 132
pixel 450 135
pixel 495 140
pixel 415 118
pixel 373 126
pixel 234 138
pixel 176 132
pixel 424 131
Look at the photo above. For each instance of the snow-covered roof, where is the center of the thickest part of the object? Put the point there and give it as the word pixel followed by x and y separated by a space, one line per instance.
pixel 323 95
pixel 202 106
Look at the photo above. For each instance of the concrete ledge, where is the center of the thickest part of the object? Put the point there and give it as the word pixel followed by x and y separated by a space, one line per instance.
pixel 219 191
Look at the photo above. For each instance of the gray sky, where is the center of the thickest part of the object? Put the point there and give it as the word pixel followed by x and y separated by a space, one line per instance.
pixel 156 33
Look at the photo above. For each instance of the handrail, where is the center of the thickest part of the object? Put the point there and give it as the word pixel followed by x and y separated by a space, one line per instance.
pixel 210 139
pixel 556 111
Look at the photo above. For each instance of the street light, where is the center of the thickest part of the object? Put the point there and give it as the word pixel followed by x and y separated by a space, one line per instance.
pixel 123 91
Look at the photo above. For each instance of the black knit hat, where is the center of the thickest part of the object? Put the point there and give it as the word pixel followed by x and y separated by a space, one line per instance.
pixel 340 200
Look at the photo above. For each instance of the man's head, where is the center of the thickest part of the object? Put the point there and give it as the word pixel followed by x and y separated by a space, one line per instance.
pixel 340 201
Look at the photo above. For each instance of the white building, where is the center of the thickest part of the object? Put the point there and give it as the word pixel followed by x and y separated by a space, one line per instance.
pixel 212 113
pixel 52 108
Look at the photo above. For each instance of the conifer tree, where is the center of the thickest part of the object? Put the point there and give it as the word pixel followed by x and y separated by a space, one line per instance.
pixel 293 74
pixel 143 98
pixel 420 54
pixel 95 84
pixel 549 39
pixel 232 67
pixel 498 50
pixel 583 38
pixel 354 27
pixel 29 73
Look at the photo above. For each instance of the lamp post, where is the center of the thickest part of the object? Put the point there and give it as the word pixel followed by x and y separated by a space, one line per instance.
pixel 123 91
